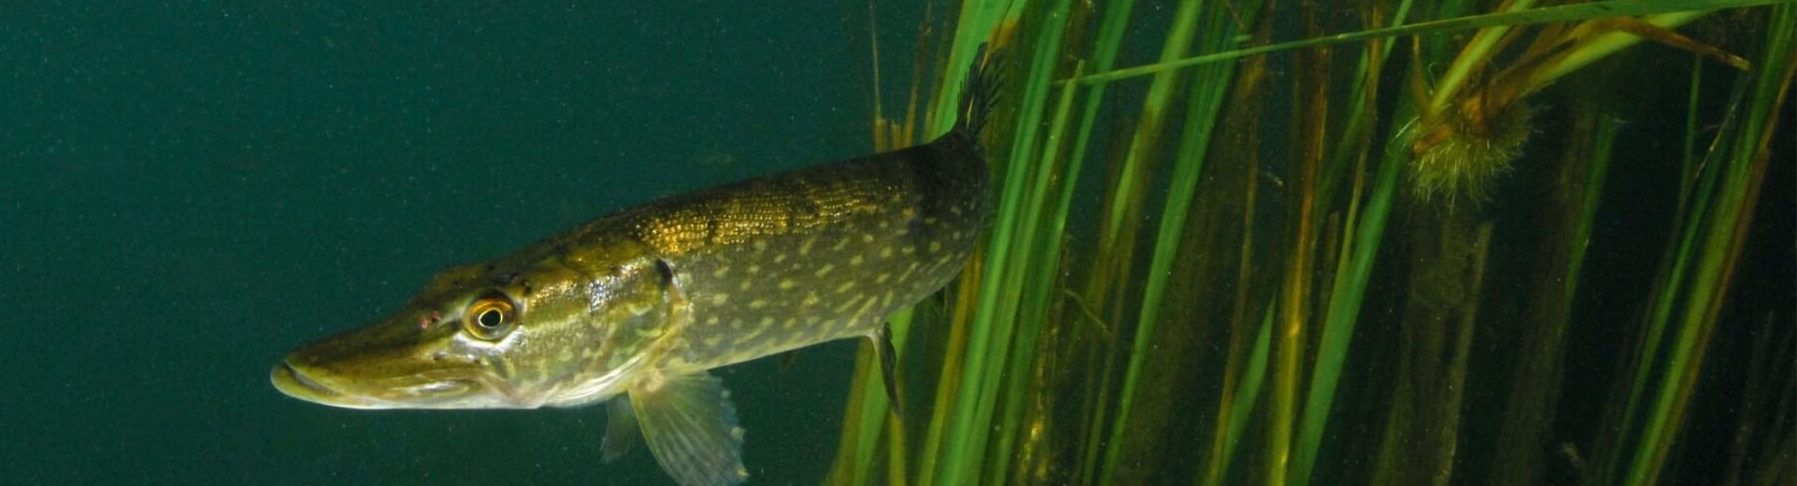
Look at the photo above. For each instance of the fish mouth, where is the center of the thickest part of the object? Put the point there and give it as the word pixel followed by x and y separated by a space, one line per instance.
pixel 295 383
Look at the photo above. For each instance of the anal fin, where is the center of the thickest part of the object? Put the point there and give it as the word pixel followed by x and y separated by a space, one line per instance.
pixel 690 426
pixel 883 351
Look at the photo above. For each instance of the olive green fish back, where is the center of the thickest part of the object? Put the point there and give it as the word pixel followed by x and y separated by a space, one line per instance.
pixel 782 262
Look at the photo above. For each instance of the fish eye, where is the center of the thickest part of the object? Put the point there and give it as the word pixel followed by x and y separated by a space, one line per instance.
pixel 490 317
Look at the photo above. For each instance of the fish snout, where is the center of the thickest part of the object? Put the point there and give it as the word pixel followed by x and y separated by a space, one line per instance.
pixel 309 383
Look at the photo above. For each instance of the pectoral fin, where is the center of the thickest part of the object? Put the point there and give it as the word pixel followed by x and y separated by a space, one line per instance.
pixel 690 425
pixel 620 429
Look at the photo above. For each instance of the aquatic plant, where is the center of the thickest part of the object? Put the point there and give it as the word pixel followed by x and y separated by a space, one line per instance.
pixel 1240 263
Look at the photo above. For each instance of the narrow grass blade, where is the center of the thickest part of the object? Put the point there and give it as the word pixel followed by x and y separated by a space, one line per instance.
pixel 1561 13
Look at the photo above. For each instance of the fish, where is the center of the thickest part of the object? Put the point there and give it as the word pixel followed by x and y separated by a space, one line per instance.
pixel 632 310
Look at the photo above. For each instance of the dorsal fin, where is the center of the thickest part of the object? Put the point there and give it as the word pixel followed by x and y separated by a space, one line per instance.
pixel 979 92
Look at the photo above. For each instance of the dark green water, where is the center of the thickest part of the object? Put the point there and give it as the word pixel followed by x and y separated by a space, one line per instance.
pixel 189 190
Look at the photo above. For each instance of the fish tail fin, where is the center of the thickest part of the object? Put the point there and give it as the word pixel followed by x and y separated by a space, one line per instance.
pixel 979 92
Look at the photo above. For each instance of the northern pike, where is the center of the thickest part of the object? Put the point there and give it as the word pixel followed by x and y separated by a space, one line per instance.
pixel 633 308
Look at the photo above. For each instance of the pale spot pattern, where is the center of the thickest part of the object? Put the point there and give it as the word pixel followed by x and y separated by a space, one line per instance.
pixel 833 268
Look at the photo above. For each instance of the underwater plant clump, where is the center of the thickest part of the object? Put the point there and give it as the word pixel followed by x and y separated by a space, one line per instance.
pixel 1460 153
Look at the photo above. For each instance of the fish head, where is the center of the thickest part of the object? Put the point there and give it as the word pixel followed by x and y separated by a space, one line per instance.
pixel 569 331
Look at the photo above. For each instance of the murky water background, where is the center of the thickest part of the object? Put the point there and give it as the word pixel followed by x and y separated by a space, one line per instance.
pixel 191 189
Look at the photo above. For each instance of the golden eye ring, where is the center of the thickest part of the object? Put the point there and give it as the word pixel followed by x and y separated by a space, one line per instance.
pixel 490 317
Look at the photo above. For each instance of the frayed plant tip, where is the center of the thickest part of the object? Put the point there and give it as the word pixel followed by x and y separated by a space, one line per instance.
pixel 1459 155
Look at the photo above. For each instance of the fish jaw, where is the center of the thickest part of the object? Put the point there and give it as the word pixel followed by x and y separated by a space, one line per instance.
pixel 296 384
pixel 396 364
pixel 446 393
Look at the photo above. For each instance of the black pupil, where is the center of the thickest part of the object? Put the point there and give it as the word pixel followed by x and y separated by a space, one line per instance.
pixel 491 318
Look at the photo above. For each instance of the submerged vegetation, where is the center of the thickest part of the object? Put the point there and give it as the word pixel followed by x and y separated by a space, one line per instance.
pixel 1376 242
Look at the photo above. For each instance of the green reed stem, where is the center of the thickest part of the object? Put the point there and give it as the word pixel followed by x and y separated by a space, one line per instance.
pixel 1361 237
pixel 1604 45
pixel 1723 238
pixel 1476 56
pixel 1768 385
pixel 1655 331
pixel 1535 385
pixel 955 355
pixel 1113 24
pixel 1296 293
pixel 945 451
pixel 1692 106
pixel 1024 277
pixel 1243 404
pixel 1544 15
pixel 1665 295
pixel 1346 295
pixel 1357 132
pixel 1207 90
pixel 1143 148
pixel 962 455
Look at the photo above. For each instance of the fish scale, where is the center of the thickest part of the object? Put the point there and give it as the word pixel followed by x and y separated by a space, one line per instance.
pixel 771 265
pixel 633 308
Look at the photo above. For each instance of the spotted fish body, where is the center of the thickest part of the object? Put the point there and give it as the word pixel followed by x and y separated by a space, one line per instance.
pixel 783 262
pixel 631 309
